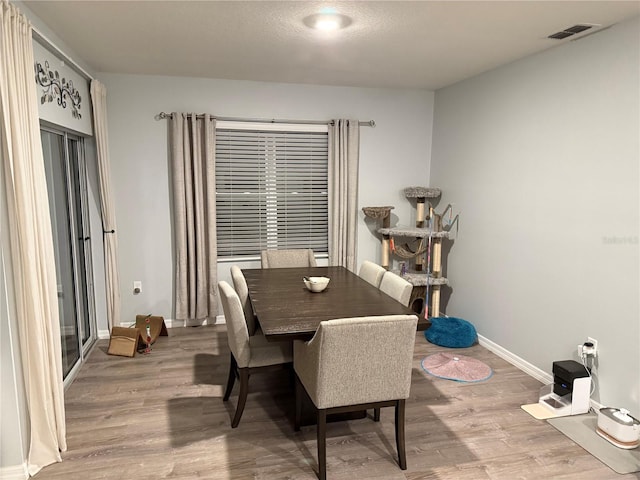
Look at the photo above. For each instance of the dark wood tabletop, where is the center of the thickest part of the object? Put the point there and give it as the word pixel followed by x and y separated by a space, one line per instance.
pixel 287 310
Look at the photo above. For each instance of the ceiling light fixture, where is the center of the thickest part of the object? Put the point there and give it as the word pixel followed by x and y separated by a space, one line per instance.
pixel 327 22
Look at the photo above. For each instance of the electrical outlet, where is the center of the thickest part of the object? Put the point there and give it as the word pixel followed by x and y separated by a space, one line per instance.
pixel 588 349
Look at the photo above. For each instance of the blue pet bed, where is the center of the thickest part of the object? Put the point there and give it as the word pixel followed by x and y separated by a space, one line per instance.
pixel 451 332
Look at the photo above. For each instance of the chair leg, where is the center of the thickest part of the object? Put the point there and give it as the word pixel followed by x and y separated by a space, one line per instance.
pixel 242 396
pixel 292 375
pixel 402 456
pixel 298 414
pixel 376 414
pixel 232 378
pixel 322 444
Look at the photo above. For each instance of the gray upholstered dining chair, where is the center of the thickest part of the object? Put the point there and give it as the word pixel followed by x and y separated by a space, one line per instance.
pixel 397 287
pixel 371 272
pixel 290 258
pixel 249 354
pixel 240 286
pixel 354 364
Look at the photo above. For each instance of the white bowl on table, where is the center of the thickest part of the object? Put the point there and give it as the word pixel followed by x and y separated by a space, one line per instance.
pixel 316 284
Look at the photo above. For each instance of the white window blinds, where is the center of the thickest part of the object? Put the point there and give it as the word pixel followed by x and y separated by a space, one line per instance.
pixel 271 188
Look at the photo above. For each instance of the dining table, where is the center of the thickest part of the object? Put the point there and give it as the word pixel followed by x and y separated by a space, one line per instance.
pixel 287 310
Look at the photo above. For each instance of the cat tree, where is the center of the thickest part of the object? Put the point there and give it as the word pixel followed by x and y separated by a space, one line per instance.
pixel 422 244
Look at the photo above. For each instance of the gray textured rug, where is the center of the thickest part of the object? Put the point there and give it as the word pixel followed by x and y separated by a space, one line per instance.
pixel 582 430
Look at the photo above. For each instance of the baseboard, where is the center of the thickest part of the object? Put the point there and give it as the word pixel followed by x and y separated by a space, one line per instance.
pixel 103 334
pixel 596 405
pixel 171 323
pixel 14 472
pixel 526 367
pixel 515 360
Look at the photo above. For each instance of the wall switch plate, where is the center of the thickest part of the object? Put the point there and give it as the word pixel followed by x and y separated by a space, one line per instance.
pixel 137 287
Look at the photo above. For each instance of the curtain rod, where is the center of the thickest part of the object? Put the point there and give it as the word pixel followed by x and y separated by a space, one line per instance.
pixel 370 123
pixel 53 48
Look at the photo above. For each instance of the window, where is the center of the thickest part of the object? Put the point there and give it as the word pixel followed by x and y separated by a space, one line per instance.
pixel 271 187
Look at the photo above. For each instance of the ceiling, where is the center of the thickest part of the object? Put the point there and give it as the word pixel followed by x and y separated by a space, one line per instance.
pixel 396 44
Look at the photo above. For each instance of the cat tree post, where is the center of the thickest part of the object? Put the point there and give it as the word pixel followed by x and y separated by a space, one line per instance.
pixel 384 261
pixel 436 270
pixel 421 194
pixel 420 212
pixel 384 215
pixel 419 224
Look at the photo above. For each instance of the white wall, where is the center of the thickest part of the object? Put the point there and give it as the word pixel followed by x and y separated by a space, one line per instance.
pixel 541 157
pixel 393 155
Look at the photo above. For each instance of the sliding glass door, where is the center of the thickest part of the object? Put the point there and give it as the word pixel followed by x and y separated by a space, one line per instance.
pixel 66 186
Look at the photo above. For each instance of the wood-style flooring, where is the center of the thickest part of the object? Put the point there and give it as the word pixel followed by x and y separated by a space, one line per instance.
pixel 161 416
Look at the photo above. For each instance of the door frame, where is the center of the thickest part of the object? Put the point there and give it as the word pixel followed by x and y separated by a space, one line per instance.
pixel 84 347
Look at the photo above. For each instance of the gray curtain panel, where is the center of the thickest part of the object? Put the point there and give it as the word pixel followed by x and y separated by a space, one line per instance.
pixel 344 152
pixel 194 214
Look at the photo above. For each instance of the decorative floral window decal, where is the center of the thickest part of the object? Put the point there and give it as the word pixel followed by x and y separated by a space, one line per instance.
pixel 53 88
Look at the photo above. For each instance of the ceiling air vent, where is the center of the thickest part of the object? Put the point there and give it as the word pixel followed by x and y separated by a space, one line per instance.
pixel 567 32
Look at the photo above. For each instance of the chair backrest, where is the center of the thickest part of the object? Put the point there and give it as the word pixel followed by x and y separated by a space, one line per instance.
pixel 288 258
pixel 237 333
pixel 240 285
pixel 396 287
pixel 371 272
pixel 360 360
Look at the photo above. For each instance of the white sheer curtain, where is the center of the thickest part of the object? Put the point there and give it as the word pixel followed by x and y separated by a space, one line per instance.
pixel 194 216
pixel 34 271
pixel 99 103
pixel 344 152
